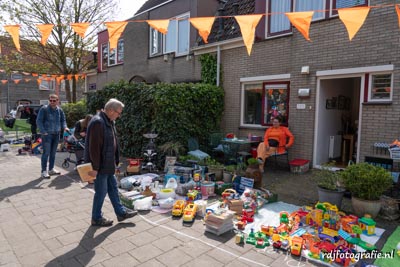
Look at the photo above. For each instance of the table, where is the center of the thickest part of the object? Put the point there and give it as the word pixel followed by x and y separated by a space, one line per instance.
pixel 232 145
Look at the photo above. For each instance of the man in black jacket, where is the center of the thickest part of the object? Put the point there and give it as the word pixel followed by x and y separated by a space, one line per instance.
pixel 102 150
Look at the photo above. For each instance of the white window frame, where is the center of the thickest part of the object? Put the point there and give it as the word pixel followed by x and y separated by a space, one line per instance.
pixel 175 20
pixel 243 101
pixel 158 40
pixel 269 20
pixel 47 85
pixel 104 64
pixel 370 99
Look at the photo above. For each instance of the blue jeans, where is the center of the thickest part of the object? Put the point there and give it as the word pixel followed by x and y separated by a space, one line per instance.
pixel 49 143
pixel 106 183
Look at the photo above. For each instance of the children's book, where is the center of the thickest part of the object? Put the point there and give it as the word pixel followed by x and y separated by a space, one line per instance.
pixel 83 170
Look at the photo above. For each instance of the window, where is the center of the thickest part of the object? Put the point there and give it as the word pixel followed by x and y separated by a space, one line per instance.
pixel 380 88
pixel 177 38
pixel 278 22
pixel 262 101
pixel 104 57
pixel 47 84
pixel 120 51
pixel 155 42
pixel 336 4
pixel 311 5
pixel 276 102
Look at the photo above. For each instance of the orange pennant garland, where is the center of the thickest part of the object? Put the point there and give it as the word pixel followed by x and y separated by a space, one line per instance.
pixel 160 25
pixel 248 24
pixel 76 77
pixel 398 13
pixel 39 81
pixel 353 19
pixel 17 81
pixel 35 75
pixel 4 81
pixel 13 30
pixel 80 28
pixel 203 25
pixel 27 80
pixel 302 22
pixel 45 31
pixel 115 29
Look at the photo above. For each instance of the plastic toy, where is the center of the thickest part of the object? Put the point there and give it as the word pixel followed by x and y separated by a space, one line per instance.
pixel 228 192
pixel 192 195
pixel 398 249
pixel 251 238
pixel 297 245
pixel 239 238
pixel 367 225
pixel 189 213
pixel 177 209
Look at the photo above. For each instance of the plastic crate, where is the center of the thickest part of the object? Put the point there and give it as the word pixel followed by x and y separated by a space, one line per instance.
pixel 299 166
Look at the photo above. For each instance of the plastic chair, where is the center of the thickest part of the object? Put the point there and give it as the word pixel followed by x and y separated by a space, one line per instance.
pixel 194 150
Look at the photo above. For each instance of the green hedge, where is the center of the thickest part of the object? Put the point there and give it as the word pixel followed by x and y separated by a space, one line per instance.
pixel 175 111
pixel 74 112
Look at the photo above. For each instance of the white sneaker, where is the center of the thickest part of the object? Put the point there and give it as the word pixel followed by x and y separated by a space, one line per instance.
pixel 45 175
pixel 54 172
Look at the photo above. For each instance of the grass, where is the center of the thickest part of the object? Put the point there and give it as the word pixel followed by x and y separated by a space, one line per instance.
pixel 22 125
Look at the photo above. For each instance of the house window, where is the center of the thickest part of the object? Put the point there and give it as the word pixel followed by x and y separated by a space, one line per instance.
pixel 263 101
pixel 336 4
pixel 380 87
pixel 155 42
pixel 278 22
pixel 177 38
pixel 311 5
pixel 275 102
pixel 104 57
pixel 47 84
pixel 120 51
pixel 252 106
pixel 111 57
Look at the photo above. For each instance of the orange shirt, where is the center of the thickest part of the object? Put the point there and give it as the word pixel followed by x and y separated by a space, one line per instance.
pixel 281 134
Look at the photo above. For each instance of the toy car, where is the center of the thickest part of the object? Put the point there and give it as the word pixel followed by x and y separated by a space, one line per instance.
pixel 297 244
pixel 179 206
pixel 189 213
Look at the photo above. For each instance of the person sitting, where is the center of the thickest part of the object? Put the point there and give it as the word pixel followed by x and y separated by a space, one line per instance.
pixel 81 126
pixel 275 140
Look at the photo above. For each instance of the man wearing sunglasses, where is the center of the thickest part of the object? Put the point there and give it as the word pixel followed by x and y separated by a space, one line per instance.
pixel 51 122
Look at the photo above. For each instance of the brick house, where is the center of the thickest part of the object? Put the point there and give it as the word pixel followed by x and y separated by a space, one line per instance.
pixel 338 97
pixel 145 55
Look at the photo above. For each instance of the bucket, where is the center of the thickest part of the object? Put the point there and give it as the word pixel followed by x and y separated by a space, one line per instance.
pixel 207 189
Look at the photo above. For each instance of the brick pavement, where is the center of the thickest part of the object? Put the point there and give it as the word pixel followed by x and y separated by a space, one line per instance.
pixel 47 223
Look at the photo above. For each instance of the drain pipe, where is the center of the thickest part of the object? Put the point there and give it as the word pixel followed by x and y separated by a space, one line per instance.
pixel 218 64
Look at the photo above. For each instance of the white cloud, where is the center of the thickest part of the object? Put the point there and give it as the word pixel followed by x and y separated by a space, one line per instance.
pixel 128 8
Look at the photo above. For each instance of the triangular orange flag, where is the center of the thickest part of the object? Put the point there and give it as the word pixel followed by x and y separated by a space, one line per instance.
pixel 115 29
pixel 35 74
pixel 61 77
pixel 80 28
pixel 39 81
pixel 302 21
pixel 4 81
pixel 13 30
pixel 17 81
pixel 27 80
pixel 45 30
pixel 76 77
pixel 203 25
pixel 69 77
pixel 353 18
pixel 398 13
pixel 160 25
pixel 248 24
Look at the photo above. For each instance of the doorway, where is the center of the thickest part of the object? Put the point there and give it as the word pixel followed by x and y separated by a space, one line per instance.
pixel 337 120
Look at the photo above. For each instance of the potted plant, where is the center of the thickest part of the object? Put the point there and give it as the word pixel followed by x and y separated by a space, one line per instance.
pixel 329 184
pixel 172 150
pixel 229 171
pixel 366 184
pixel 215 167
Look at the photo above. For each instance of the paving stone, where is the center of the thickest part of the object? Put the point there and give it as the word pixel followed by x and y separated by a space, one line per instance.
pixel 151 263
pixel 195 249
pixel 93 257
pixel 146 252
pixel 77 225
pixel 50 233
pixel 119 247
pixel 167 243
pixel 8 257
pixel 73 237
pixel 28 246
pixel 160 231
pixel 67 252
pixel 36 258
pixel 256 256
pixel 52 244
pixel 203 260
pixel 141 226
pixel 174 257
pixel 121 260
pixel 121 233
pixel 71 263
pixel 142 238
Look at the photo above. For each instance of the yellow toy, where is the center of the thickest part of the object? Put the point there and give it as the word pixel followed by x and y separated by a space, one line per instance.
pixel 189 213
pixel 179 206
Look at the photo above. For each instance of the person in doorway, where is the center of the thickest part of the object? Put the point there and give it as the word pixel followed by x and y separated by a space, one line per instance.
pixel 81 127
pixel 102 151
pixel 31 119
pixel 51 122
pixel 277 138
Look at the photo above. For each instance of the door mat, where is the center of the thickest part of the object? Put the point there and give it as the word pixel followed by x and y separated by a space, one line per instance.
pixel 389 246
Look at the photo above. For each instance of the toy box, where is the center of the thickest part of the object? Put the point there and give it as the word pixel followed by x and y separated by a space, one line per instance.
pixel 299 166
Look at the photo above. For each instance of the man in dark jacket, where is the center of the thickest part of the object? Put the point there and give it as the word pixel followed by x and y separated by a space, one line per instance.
pixel 102 150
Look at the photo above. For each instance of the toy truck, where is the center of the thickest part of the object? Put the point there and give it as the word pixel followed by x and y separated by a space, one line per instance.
pixel 189 213
pixel 178 207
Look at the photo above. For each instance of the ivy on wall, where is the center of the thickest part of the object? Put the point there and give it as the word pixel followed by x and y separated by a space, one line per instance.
pixel 175 111
pixel 209 69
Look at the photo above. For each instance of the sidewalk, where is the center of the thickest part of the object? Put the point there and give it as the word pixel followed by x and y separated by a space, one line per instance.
pixel 47 223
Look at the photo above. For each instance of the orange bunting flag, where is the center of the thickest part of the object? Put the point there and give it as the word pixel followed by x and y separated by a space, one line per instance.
pixel 53 76
pixel 115 29
pixel 58 80
pixel 39 81
pixel 76 77
pixel 35 75
pixel 353 19
pixel 203 25
pixel 69 77
pixel 398 13
pixel 160 25
pixel 61 77
pixel 4 81
pixel 248 24
pixel 13 30
pixel 45 30
pixel 302 22
pixel 17 81
pixel 44 76
pixel 27 80
pixel 80 28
